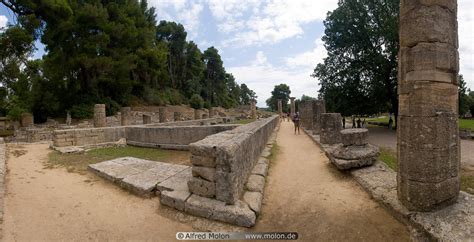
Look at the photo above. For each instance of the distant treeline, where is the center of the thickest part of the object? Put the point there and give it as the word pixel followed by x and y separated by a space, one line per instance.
pixel 112 52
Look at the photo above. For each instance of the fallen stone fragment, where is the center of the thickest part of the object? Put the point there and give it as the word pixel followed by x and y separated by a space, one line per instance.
pixel 175 199
pixel 260 169
pixel 254 200
pixel 255 183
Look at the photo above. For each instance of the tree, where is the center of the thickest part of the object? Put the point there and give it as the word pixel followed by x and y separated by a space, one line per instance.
pixel 280 92
pixel 359 76
pixel 214 77
pixel 464 99
pixel 246 95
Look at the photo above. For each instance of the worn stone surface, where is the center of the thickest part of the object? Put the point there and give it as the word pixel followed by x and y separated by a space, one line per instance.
pixel 146 119
pixel 292 106
pixel 280 108
pixel 428 135
pixel 206 173
pixel 202 187
pixel 319 107
pixel 260 169
pixel 355 156
pixel 69 149
pixel 254 200
pixel 331 125
pixel 100 118
pixel 234 154
pixel 125 113
pixel 162 115
pixel 137 175
pixel 355 137
pixel 239 214
pixel 27 119
pixel 177 182
pixel 255 183
pixel 253 109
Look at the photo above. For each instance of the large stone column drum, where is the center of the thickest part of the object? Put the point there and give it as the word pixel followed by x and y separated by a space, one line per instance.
pixel 161 115
pixel 253 109
pixel 331 126
pixel 100 118
pixel 125 115
pixel 292 106
pixel 280 107
pixel 428 134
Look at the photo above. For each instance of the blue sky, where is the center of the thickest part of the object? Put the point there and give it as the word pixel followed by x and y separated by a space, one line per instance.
pixel 267 42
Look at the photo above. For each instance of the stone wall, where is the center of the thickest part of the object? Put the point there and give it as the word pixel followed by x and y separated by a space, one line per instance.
pixel 171 135
pixel 310 113
pixel 223 162
pixel 94 136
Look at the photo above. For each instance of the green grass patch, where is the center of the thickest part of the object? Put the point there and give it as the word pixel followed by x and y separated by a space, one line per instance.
pixel 379 120
pixel 79 162
pixel 243 121
pixel 389 157
pixel 467 124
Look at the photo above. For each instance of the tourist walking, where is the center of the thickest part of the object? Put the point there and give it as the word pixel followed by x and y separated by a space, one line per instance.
pixel 296 122
pixel 353 122
pixel 343 122
pixel 359 123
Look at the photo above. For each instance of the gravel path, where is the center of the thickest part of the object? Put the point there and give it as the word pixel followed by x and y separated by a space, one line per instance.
pixel 305 193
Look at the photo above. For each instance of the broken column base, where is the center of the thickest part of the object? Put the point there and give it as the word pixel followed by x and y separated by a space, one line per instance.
pixel 348 157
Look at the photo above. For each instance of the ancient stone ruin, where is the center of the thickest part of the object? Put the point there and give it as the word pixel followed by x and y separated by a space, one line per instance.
pixel 310 112
pixel 428 135
pixel 292 106
pixel 125 115
pixel 331 125
pixel 100 118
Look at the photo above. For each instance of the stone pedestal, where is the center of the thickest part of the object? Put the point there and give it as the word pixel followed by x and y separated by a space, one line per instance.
pixel 331 125
pixel 100 118
pixel 162 115
pixel 68 119
pixel 125 115
pixel 319 107
pixel 292 107
pixel 211 112
pixel 427 127
pixel 280 107
pixel 253 109
pixel 177 116
pixel 27 119
pixel 146 119
pixel 197 114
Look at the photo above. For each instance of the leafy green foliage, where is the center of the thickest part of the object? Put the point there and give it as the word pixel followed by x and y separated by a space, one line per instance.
pixel 82 111
pixel 280 92
pixel 465 100
pixel 359 76
pixel 108 52
pixel 196 102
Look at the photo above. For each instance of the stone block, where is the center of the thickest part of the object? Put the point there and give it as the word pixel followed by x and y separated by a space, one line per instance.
pixel 203 161
pixel 175 199
pixel 255 183
pixel 202 187
pixel 239 214
pixel 431 57
pixel 206 173
pixel 177 182
pixel 254 200
pixel 421 196
pixel 260 169
pixel 355 137
pixel 331 125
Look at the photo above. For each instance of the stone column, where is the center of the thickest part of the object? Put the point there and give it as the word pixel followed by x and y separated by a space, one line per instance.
pixel 68 119
pixel 211 112
pixel 428 134
pixel 146 119
pixel 125 115
pixel 253 109
pixel 292 107
pixel 27 119
pixel 319 107
pixel 177 116
pixel 331 126
pixel 162 115
pixel 197 114
pixel 100 118
pixel 280 107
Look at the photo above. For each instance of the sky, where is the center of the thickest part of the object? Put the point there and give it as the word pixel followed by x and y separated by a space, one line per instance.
pixel 264 43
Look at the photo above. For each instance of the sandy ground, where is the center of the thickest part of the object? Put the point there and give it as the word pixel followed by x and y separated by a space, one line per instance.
pixel 304 193
pixel 384 137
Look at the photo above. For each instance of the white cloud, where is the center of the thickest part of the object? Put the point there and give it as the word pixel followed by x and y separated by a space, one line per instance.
pixel 186 12
pixel 3 21
pixel 261 77
pixel 466 40
pixel 310 58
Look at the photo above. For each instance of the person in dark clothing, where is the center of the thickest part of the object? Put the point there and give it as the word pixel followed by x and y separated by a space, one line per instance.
pixel 343 122
pixel 353 122
pixel 296 121
pixel 358 123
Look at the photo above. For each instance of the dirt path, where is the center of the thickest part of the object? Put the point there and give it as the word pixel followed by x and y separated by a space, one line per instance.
pixel 304 193
pixel 52 204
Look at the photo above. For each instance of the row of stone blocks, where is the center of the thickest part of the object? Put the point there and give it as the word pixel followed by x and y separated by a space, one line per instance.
pixel 348 148
pixel 243 212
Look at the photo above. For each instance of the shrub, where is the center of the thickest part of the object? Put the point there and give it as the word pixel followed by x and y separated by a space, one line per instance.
pixel 82 111
pixel 196 101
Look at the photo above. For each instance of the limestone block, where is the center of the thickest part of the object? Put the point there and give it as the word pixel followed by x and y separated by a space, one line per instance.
pixel 125 115
pixel 203 161
pixel 355 137
pixel 27 119
pixel 254 200
pixel 239 214
pixel 331 125
pixel 202 187
pixel 431 57
pixel 206 173
pixel 146 119
pixel 175 199
pixel 255 183
pixel 260 169
pixel 427 98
